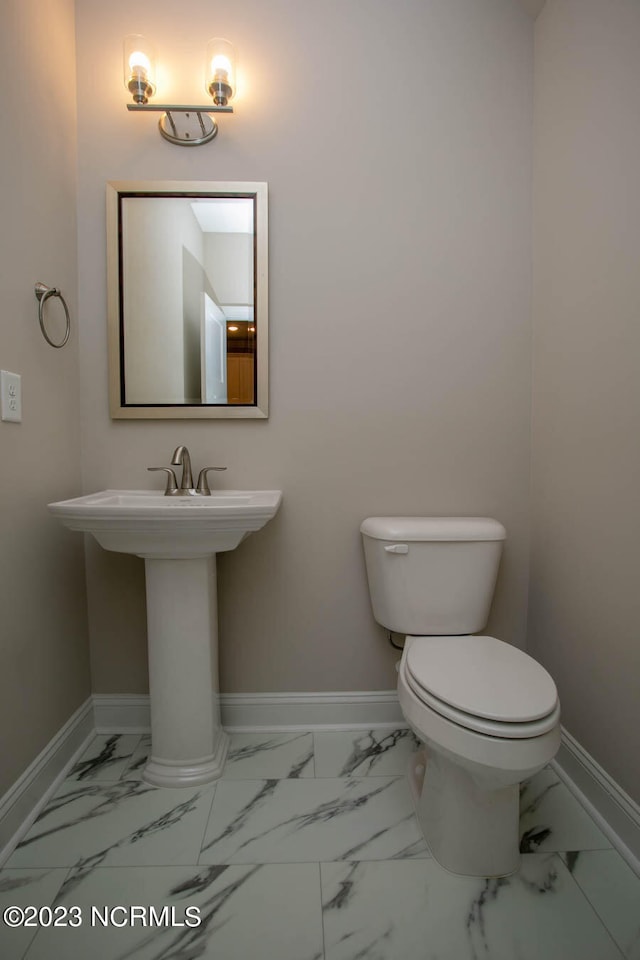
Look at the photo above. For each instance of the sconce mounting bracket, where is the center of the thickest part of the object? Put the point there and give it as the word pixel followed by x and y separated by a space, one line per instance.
pixel 187 125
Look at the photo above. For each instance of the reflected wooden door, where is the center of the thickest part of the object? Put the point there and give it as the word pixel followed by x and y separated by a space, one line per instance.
pixel 240 378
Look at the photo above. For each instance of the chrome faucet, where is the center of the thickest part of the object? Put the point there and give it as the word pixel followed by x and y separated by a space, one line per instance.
pixel 182 458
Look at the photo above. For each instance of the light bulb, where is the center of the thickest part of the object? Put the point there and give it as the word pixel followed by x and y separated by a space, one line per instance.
pixel 140 61
pixel 220 67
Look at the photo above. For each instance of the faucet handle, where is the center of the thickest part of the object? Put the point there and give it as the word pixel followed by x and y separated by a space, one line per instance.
pixel 203 486
pixel 172 484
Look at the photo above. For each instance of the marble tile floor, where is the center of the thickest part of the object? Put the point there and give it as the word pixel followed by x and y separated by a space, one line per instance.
pixel 306 849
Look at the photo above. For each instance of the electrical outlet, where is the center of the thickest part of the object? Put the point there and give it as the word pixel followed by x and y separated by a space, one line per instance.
pixel 10 396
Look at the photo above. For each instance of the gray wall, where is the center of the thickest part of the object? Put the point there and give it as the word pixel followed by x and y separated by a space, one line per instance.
pixel 400 292
pixel 585 601
pixel 44 675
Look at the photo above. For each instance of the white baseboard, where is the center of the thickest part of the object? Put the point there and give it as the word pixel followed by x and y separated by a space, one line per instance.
pixel 122 713
pixel 22 803
pixel 265 711
pixel 322 711
pixel 617 815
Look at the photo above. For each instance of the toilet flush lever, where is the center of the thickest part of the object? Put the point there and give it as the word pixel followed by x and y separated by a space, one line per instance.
pixel 397 548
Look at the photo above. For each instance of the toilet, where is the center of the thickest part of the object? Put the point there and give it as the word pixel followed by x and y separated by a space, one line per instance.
pixel 486 713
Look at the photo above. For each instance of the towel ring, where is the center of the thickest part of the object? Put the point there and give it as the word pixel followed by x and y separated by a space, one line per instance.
pixel 43 292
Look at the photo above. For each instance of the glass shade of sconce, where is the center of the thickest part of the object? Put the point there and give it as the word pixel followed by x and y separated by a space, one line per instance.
pixel 139 68
pixel 220 71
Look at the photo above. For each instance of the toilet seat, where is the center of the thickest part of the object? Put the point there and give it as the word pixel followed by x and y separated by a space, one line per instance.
pixel 482 684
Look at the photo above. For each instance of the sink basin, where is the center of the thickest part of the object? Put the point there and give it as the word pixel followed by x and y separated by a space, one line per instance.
pixel 179 538
pixel 146 523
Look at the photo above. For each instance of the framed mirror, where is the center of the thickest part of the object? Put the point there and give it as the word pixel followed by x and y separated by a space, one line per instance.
pixel 187 299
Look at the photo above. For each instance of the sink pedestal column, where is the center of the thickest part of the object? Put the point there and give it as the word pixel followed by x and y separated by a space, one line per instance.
pixel 188 744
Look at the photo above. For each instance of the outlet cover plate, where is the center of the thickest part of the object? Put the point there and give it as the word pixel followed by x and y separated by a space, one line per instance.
pixel 10 396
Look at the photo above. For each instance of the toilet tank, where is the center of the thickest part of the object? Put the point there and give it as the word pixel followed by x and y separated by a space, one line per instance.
pixel 432 576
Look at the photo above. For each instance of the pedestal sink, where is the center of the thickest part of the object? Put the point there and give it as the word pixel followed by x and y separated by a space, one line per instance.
pixel 178 537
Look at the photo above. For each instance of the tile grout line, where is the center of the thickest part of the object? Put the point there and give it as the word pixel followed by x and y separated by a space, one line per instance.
pixel 588 899
pixel 206 825
pixel 324 942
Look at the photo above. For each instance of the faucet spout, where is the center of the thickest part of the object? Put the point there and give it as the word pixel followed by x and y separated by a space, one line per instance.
pixel 182 458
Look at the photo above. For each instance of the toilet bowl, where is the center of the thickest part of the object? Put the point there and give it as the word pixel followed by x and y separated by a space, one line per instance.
pixel 487 714
pixel 465 784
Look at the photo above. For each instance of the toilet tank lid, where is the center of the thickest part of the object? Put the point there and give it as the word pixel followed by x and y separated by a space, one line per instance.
pixel 432 528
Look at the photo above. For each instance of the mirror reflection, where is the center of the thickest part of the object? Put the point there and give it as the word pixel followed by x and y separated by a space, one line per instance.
pixel 191 301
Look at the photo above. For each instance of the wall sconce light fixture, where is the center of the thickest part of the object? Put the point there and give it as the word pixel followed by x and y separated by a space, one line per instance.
pixel 187 125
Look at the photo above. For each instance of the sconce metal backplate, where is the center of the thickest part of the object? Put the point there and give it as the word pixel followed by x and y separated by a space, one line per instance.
pixel 187 125
pixel 187 129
